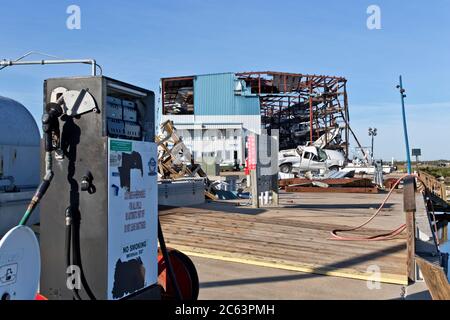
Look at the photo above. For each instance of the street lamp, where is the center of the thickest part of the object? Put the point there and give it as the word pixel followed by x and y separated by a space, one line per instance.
pixel 372 133
pixel 405 127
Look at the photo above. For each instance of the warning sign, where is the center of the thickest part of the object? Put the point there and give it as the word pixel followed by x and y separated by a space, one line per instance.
pixel 8 274
pixel 252 159
pixel 132 217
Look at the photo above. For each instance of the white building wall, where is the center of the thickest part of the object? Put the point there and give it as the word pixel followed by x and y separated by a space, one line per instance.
pixel 196 132
pixel 249 122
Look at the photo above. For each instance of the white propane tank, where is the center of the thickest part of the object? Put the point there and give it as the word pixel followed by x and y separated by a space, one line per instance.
pixel 19 162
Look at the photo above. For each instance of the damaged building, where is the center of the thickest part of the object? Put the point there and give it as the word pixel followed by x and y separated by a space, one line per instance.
pixel 303 108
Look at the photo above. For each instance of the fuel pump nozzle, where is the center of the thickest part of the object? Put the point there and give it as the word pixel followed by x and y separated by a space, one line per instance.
pixel 50 128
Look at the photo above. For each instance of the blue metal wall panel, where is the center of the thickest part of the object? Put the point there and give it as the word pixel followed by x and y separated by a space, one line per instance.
pixel 247 105
pixel 214 95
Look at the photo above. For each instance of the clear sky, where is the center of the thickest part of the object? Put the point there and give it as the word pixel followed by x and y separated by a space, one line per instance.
pixel 142 41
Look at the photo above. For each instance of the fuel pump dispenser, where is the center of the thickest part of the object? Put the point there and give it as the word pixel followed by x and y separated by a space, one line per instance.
pixel 99 229
pixel 99 216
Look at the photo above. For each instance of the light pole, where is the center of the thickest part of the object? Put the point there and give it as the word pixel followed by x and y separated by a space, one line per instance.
pixel 372 133
pixel 405 127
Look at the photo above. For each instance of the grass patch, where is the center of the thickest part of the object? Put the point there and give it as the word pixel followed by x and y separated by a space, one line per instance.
pixel 437 172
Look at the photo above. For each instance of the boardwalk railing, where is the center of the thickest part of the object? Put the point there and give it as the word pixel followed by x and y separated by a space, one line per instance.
pixel 435 186
pixel 419 252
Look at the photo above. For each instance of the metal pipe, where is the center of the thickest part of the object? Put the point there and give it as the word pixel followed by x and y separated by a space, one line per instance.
pixel 92 62
pixel 310 114
pixel 405 127
pixel 48 166
pixel 163 99
pixel 346 115
pixel 93 68
pixel 372 146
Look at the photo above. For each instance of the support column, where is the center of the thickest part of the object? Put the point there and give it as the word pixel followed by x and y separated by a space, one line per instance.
pixel 409 207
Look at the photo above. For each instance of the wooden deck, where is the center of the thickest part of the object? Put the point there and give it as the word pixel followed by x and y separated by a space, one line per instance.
pixel 294 236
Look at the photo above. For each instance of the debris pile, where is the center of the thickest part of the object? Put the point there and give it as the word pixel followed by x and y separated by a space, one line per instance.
pixel 176 162
pixel 342 185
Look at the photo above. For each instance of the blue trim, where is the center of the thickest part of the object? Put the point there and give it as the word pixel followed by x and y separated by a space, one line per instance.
pixel 405 128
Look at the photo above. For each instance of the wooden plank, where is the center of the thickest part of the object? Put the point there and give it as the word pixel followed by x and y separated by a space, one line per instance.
pixel 291 238
pixel 409 206
pixel 301 254
pixel 285 234
pixel 358 263
pixel 333 189
pixel 351 274
pixel 319 237
pixel 410 245
pixel 296 215
pixel 435 186
pixel 348 182
pixel 254 187
pixel 276 252
pixel 409 195
pixel 292 229
pixel 287 225
pixel 391 253
pixel 267 245
pixel 210 195
pixel 435 279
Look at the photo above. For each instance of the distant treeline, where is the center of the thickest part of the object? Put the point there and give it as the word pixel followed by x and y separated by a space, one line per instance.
pixel 437 168
pixel 437 171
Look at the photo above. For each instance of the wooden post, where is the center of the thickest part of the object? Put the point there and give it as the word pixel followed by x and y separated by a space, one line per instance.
pixel 275 193
pixel 274 150
pixel 435 279
pixel 254 187
pixel 254 169
pixel 444 230
pixel 409 207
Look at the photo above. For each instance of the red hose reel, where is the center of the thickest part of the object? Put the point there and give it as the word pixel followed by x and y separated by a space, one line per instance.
pixel 185 274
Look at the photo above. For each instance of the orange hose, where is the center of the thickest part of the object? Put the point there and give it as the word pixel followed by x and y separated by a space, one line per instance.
pixel 390 235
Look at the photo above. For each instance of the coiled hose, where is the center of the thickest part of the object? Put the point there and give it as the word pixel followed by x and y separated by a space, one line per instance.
pixel 380 237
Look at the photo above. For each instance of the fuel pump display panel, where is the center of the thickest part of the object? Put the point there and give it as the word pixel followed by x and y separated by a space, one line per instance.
pixel 132 217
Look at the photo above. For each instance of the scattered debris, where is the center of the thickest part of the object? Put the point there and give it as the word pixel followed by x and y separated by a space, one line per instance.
pixel 343 185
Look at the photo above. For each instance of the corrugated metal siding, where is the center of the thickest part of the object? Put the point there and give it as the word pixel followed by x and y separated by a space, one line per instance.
pixel 214 95
pixel 250 105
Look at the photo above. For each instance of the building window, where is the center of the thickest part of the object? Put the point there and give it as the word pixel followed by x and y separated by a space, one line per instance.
pixel 177 96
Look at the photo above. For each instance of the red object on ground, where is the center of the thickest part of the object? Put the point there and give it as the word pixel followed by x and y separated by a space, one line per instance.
pixel 247 169
pixel 185 274
pixel 40 297
pixel 389 183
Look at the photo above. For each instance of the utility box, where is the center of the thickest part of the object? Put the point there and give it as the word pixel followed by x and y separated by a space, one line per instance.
pixel 105 182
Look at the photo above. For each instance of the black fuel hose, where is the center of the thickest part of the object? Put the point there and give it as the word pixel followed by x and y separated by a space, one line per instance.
pixel 73 254
pixel 169 267
pixel 50 127
pixel 70 241
pixel 68 246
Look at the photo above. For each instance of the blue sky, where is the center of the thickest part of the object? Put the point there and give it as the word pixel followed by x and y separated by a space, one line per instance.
pixel 142 41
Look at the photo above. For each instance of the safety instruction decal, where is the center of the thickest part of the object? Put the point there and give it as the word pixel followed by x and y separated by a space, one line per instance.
pixel 132 217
